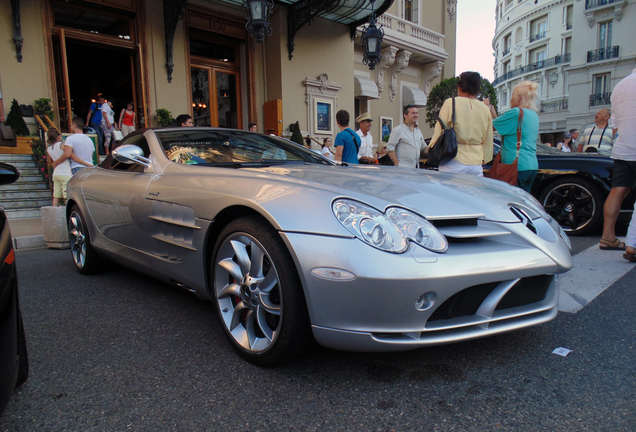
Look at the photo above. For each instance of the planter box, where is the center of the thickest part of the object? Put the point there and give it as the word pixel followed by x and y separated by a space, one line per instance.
pixel 23 146
pixel 54 227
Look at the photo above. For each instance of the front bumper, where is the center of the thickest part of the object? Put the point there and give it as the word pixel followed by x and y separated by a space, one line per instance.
pixel 419 298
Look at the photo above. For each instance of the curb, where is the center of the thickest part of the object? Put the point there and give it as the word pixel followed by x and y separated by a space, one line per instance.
pixel 29 242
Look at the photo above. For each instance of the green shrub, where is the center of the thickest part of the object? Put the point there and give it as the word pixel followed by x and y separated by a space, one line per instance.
pixel 16 121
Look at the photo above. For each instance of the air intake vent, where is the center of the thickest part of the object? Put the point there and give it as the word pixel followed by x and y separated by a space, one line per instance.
pixel 524 218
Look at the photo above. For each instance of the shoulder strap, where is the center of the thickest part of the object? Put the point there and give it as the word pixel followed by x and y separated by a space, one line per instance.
pixel 519 124
pixel 590 137
pixel 600 140
pixel 355 139
pixel 453 119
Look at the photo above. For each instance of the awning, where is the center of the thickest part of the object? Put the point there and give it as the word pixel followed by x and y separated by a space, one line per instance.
pixel 413 96
pixel 365 87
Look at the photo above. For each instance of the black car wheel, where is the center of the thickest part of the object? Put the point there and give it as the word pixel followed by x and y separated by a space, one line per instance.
pixel 85 258
pixel 258 294
pixel 576 203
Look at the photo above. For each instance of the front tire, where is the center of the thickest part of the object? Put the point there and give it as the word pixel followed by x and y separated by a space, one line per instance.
pixel 576 203
pixel 258 294
pixel 84 256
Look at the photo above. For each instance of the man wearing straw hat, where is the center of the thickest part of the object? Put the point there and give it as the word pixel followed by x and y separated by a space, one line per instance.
pixel 365 153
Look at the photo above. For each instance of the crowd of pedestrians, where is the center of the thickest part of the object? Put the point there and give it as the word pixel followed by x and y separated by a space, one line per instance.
pixel 473 121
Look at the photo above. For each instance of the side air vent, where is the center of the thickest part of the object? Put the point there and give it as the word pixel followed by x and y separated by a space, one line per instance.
pixel 524 218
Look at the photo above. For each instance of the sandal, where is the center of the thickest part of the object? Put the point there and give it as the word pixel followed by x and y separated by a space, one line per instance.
pixel 616 244
pixel 631 257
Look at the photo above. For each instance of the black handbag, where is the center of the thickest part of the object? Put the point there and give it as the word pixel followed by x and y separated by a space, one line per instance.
pixel 446 145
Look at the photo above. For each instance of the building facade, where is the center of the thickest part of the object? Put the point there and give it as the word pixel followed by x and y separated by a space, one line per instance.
pixel 576 50
pixel 197 57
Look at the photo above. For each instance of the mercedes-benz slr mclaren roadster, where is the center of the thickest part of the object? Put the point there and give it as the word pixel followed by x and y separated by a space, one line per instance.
pixel 291 247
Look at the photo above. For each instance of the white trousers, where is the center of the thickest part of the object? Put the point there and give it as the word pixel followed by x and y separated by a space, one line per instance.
pixel 454 166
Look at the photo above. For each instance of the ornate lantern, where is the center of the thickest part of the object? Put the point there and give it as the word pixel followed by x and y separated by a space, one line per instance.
pixel 258 13
pixel 372 40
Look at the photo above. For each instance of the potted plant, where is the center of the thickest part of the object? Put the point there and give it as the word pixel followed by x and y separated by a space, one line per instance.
pixel 43 107
pixel 164 117
pixel 17 123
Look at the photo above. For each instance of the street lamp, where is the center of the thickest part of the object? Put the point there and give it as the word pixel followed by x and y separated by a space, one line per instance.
pixel 372 41
pixel 258 13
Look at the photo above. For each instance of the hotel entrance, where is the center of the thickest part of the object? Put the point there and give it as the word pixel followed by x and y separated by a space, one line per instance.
pixel 94 51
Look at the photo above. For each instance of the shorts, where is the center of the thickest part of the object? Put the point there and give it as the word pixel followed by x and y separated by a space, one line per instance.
pixel 624 174
pixel 59 185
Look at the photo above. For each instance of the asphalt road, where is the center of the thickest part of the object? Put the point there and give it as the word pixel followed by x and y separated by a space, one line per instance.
pixel 119 351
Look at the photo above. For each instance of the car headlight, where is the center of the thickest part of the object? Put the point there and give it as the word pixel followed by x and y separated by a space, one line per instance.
pixel 391 231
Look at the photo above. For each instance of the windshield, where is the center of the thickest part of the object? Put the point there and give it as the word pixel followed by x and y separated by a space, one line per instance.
pixel 203 146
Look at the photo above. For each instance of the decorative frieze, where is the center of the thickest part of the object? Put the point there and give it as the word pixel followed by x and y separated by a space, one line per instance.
pixel 430 72
pixel 388 58
pixel 401 61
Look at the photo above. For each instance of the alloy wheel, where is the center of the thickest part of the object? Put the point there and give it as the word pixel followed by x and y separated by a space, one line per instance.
pixel 248 293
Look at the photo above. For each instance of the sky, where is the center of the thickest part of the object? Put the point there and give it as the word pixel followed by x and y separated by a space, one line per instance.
pixel 475 32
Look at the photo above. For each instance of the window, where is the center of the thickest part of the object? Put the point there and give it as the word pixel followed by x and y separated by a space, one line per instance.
pixel 411 10
pixel 541 27
pixel 566 46
pixel 508 3
pixel 601 84
pixel 567 17
pixel 540 56
pixel 605 35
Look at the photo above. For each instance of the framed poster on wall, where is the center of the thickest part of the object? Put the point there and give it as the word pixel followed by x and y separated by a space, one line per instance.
pixel 323 116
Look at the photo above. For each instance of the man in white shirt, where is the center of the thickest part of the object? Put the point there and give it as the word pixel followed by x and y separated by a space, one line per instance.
pixel 365 154
pixel 406 140
pixel 624 173
pixel 79 145
pixel 598 137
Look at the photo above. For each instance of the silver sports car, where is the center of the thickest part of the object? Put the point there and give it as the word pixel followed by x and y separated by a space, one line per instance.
pixel 291 247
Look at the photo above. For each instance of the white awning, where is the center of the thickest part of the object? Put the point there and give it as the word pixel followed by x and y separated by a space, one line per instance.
pixel 413 96
pixel 365 87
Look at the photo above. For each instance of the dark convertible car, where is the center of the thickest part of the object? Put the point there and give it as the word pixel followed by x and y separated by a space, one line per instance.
pixel 572 188
pixel 14 364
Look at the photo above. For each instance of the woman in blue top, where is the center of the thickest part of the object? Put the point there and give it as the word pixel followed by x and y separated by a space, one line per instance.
pixel 523 97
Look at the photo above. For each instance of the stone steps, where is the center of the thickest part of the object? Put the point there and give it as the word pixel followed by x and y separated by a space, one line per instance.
pixel 23 199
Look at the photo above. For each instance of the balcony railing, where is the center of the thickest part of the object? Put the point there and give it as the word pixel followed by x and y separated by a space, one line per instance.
pixel 407 30
pixel 568 26
pixel 532 67
pixel 593 3
pixel 600 99
pixel 554 106
pixel 602 54
pixel 506 52
pixel 537 37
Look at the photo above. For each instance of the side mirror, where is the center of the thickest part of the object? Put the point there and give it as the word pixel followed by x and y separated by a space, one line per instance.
pixel 8 174
pixel 131 154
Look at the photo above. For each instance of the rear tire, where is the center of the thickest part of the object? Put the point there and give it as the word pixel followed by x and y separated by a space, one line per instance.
pixel 258 294
pixel 84 256
pixel 576 203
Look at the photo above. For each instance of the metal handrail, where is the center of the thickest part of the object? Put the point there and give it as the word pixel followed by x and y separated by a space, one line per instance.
pixel 533 66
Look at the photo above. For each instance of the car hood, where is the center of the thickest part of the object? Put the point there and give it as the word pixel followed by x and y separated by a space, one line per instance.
pixel 432 194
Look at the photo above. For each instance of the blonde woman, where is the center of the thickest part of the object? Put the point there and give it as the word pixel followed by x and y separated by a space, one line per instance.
pixel 523 98
pixel 62 172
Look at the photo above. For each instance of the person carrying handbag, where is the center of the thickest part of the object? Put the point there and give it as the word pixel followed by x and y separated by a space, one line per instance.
pixel 473 128
pixel 523 98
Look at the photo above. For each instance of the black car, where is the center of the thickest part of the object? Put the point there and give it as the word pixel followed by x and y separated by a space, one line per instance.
pixel 14 362
pixel 572 188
